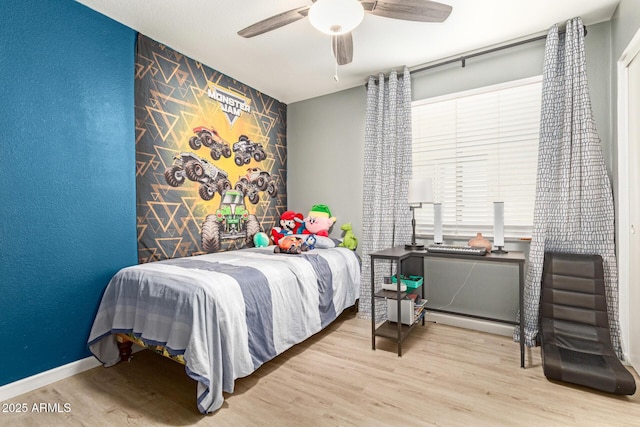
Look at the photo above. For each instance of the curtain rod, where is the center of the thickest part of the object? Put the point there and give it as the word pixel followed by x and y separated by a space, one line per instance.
pixel 464 58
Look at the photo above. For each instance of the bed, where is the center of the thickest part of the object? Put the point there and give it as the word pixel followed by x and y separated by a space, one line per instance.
pixel 225 314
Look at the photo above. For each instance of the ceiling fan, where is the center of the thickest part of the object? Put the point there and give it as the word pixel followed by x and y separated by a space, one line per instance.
pixel 339 17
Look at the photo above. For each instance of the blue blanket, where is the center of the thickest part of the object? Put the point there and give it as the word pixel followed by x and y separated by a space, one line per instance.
pixel 226 313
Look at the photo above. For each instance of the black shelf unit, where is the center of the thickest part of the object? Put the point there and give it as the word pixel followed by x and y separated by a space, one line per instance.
pixel 395 331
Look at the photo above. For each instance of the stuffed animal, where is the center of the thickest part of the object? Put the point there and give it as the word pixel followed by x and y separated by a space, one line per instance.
pixel 261 240
pixel 290 222
pixel 350 241
pixel 309 242
pixel 319 221
pixel 290 245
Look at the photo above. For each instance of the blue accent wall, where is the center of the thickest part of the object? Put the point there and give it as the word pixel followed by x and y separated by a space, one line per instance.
pixel 67 169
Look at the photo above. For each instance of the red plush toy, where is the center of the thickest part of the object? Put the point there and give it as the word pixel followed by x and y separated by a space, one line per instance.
pixel 290 222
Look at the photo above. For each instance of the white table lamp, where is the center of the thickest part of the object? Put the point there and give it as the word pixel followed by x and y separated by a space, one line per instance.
pixel 498 228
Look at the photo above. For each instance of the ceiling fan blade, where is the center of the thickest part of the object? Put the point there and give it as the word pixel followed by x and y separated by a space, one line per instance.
pixel 274 22
pixel 342 46
pixel 409 10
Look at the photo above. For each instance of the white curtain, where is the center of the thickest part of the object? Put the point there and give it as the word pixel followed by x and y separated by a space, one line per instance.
pixel 574 204
pixel 387 168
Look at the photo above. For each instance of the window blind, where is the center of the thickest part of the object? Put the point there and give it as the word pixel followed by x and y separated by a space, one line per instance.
pixel 479 147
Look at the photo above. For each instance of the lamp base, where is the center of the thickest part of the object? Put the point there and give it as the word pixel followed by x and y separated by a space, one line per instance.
pixel 499 250
pixel 413 246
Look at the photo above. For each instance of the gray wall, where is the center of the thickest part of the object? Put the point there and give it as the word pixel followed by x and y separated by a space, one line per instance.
pixel 325 143
pixel 325 135
pixel 624 24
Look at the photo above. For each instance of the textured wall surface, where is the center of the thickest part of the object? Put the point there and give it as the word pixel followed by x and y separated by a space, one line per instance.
pixel 67 195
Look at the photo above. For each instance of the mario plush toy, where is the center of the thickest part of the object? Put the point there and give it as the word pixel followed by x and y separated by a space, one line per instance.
pixel 290 222
pixel 319 221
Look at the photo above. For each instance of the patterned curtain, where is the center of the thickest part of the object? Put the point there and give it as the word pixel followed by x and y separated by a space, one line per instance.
pixel 574 205
pixel 387 169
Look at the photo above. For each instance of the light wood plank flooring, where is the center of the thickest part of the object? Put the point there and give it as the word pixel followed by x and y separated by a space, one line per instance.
pixel 446 377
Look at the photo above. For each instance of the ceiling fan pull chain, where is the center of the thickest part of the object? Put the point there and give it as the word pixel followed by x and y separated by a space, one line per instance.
pixel 334 48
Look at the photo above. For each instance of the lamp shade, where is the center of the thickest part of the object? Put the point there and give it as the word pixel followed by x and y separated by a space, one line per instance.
pixel 420 191
pixel 336 17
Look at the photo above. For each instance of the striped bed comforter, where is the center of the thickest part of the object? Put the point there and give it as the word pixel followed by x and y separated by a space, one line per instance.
pixel 227 313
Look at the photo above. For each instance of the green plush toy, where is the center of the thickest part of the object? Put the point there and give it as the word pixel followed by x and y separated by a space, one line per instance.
pixel 261 240
pixel 350 241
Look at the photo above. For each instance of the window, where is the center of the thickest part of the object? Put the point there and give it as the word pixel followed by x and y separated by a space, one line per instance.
pixel 479 147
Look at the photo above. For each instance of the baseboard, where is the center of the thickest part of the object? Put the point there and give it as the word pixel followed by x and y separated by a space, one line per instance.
pixel 11 390
pixel 497 329
pixel 42 379
pixel 469 323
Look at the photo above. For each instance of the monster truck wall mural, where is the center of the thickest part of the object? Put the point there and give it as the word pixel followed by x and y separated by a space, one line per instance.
pixel 210 157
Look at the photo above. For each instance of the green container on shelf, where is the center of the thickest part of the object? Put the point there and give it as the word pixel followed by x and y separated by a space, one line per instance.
pixel 412 282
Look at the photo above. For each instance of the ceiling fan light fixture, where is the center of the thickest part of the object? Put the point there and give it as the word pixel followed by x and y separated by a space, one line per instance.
pixel 336 17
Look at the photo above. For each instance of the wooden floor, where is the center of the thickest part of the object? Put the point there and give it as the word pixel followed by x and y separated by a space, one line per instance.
pixel 446 377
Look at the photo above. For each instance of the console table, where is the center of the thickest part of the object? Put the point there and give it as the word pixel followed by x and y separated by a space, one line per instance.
pixel 411 262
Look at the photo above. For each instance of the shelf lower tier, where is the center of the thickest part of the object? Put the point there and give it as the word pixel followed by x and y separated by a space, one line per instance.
pixel 390 330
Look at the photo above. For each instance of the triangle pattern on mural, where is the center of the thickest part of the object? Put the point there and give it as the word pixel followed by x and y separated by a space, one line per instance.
pixel 163 92
pixel 165 213
pixel 143 162
pixel 169 246
pixel 147 255
pixel 167 67
pixel 142 67
pixel 163 121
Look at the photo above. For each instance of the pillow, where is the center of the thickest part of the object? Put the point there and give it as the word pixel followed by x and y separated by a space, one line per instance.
pixel 322 242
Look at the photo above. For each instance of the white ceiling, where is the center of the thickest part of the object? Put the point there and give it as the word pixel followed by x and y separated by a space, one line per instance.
pixel 295 62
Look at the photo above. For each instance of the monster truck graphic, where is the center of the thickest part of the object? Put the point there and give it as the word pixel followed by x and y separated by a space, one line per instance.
pixel 209 138
pixel 197 169
pixel 254 181
pixel 231 221
pixel 244 149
